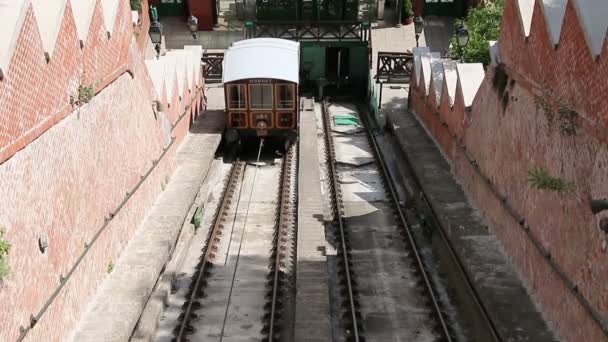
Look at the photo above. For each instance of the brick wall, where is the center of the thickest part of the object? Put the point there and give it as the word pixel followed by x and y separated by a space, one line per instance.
pixel 64 168
pixel 507 134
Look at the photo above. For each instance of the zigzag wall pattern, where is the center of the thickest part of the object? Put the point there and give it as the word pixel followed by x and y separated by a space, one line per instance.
pixel 551 49
pixel 560 45
pixel 51 47
pixel 70 156
pixel 49 16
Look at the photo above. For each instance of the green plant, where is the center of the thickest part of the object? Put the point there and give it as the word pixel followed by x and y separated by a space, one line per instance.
pixel 110 267
pixel 541 179
pixel 408 11
pixel 565 114
pixel 136 5
pixel 484 25
pixel 85 93
pixel 567 120
pixel 5 247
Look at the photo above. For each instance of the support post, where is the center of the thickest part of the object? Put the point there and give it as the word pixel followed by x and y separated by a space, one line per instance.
pixel 380 97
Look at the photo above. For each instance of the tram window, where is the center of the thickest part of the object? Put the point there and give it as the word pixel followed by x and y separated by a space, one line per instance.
pixel 260 96
pixel 237 96
pixel 285 95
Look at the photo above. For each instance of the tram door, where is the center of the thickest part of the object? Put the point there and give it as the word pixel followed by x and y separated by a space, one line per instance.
pixel 337 68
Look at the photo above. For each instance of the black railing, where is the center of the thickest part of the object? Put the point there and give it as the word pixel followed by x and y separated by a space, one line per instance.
pixel 310 31
pixel 394 67
pixel 212 70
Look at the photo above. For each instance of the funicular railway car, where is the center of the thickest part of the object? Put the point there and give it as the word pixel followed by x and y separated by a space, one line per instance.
pixel 261 78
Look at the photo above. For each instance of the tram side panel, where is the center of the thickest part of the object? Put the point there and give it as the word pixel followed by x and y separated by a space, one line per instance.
pixel 261 107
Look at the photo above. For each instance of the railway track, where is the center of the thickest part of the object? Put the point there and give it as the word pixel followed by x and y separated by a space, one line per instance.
pixel 242 286
pixel 351 314
pixel 380 305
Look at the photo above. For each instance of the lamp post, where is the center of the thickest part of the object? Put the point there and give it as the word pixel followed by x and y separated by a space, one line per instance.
pixel 193 25
pixel 156 35
pixel 418 27
pixel 462 39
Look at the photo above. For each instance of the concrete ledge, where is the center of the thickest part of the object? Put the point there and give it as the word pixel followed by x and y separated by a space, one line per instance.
pixel 495 279
pixel 118 304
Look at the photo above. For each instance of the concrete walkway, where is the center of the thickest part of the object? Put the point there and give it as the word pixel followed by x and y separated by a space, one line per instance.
pixel 313 320
pixel 115 309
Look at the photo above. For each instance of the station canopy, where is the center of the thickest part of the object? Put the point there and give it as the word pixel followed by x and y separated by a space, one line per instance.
pixel 271 58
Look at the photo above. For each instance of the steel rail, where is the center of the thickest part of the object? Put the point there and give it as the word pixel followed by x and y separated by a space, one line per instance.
pixel 337 203
pixel 236 171
pixel 405 225
pixel 285 186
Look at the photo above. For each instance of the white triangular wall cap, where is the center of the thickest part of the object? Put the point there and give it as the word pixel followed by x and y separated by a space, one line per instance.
pixel 418 52
pixel 438 75
pixel 450 79
pixel 12 13
pixel 83 15
pixel 156 70
pixel 526 9
pixel 426 69
pixel 169 74
pixel 49 16
pixel 470 77
pixel 494 52
pixel 593 15
pixel 179 60
pixel 554 11
pixel 110 8
pixel 197 50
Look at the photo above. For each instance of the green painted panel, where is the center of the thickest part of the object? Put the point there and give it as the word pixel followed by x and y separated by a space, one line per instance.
pixel 359 66
pixel 451 8
pixel 311 10
pixel 313 62
pixel 279 10
pixel 171 8
pixel 329 43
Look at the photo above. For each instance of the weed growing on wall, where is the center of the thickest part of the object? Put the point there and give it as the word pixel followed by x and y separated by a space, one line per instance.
pixel 85 93
pixel 136 5
pixel 555 109
pixel 541 179
pixel 5 247
pixel 110 267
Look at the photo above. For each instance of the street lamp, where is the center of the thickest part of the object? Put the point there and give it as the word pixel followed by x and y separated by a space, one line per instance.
pixel 193 25
pixel 418 27
pixel 462 39
pixel 156 35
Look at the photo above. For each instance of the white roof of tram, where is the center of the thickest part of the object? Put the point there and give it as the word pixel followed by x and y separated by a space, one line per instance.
pixel 262 58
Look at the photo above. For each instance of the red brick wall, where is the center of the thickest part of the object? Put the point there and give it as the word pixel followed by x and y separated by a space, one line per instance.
pixel 63 169
pixel 509 139
pixel 571 71
pixel 36 95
